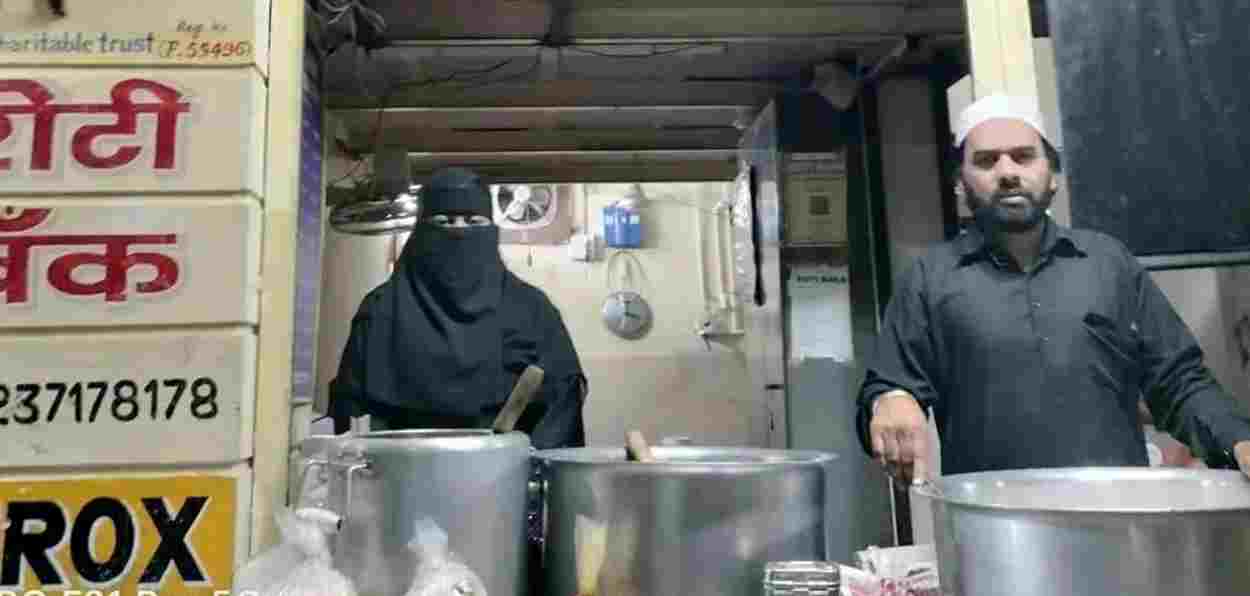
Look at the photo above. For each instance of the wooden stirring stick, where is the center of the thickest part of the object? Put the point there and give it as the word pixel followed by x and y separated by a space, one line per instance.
pixel 636 448
pixel 526 386
pixel 590 541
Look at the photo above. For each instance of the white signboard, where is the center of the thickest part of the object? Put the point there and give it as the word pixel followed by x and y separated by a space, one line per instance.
pixel 130 32
pixel 114 261
pixel 820 313
pixel 111 130
pixel 127 398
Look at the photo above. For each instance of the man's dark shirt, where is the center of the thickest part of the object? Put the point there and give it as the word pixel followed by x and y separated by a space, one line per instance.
pixel 1045 369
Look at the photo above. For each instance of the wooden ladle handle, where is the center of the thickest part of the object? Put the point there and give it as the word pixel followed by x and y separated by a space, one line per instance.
pixel 636 448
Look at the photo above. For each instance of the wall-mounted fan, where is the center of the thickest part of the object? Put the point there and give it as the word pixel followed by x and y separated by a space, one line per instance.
pixel 525 207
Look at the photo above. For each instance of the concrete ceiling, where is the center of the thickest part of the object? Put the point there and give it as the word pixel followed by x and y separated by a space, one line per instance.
pixel 542 88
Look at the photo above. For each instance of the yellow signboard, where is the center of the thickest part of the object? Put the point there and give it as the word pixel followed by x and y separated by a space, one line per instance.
pixel 140 536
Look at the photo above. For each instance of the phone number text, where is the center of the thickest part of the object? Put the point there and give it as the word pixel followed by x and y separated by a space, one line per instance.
pixel 124 400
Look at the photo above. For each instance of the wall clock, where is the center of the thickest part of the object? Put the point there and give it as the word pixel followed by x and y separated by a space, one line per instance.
pixel 626 314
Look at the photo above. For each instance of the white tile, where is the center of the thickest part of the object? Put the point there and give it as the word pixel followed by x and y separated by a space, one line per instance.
pixel 131 32
pixel 66 399
pixel 198 261
pixel 220 500
pixel 119 130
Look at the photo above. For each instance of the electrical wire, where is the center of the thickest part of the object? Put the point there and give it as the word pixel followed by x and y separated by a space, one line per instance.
pixel 383 102
pixel 631 264
pixel 456 76
pixel 510 78
pixel 652 54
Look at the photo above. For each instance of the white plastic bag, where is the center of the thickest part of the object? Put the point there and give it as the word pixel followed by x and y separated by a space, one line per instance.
pixel 898 561
pixel 299 566
pixel 896 571
pixel 314 577
pixel 857 582
pixel 440 572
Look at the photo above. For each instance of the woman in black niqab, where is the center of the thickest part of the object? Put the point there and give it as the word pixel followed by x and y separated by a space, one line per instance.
pixel 443 341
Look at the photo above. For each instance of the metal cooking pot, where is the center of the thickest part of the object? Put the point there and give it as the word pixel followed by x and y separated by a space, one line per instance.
pixel 1092 532
pixel 700 521
pixel 472 483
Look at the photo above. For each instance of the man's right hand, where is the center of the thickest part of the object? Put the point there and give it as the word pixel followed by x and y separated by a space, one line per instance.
pixel 900 435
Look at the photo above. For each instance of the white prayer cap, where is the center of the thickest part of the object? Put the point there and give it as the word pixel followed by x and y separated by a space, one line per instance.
pixel 990 107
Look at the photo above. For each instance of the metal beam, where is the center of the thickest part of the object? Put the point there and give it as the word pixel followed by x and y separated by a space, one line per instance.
pixel 361 125
pixel 521 112
pixel 629 20
pixel 469 141
pixel 605 173
pixel 570 93
pixel 590 42
pixel 577 166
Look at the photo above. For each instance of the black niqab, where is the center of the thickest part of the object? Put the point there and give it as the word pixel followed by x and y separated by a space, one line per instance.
pixel 443 341
pixel 446 331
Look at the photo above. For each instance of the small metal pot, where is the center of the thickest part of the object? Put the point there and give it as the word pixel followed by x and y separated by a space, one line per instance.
pixel 700 521
pixel 1092 532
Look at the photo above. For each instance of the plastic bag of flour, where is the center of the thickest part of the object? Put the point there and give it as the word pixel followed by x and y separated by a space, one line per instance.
pixel 440 572
pixel 897 571
pixel 300 565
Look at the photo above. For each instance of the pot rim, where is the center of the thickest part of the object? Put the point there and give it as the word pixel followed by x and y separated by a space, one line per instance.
pixel 427 439
pixel 943 490
pixel 686 459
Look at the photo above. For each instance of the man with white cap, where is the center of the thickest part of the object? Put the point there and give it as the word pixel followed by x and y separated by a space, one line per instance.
pixel 1033 343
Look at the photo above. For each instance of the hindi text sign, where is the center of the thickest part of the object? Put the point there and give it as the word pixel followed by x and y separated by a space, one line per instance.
pixel 104 130
pixel 111 261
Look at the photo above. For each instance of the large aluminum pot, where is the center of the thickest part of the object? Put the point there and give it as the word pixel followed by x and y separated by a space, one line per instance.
pixel 699 522
pixel 472 483
pixel 1092 532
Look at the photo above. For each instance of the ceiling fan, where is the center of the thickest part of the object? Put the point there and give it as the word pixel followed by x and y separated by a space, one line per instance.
pixel 386 204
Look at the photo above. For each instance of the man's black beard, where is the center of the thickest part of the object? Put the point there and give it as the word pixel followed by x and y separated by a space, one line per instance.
pixel 994 218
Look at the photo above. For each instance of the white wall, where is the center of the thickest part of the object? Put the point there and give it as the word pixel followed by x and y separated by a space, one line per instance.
pixel 668 383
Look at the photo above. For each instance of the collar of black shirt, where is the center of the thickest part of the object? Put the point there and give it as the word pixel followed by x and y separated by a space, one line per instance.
pixel 1056 241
